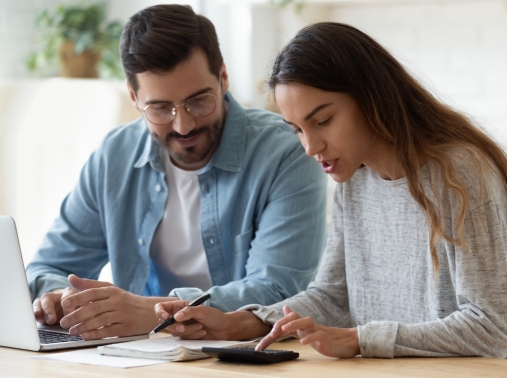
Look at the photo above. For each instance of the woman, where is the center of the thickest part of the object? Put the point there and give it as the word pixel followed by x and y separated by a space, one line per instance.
pixel 416 258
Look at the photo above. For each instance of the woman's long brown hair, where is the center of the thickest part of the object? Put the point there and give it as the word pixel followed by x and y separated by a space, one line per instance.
pixel 336 57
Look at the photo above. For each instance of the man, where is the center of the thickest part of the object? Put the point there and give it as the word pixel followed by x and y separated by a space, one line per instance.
pixel 199 194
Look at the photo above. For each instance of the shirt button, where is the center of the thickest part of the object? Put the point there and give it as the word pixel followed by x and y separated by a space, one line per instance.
pixel 158 188
pixel 140 241
pixel 211 241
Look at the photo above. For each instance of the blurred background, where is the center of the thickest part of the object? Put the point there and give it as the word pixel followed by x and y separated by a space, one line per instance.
pixel 50 121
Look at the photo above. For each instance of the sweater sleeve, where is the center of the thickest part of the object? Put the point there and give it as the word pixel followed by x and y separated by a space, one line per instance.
pixel 474 288
pixel 326 298
pixel 479 327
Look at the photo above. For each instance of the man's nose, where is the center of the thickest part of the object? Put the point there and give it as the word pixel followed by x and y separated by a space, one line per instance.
pixel 183 122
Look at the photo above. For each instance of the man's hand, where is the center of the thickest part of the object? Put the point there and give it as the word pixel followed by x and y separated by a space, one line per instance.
pixel 48 309
pixel 104 310
pixel 329 341
pixel 203 322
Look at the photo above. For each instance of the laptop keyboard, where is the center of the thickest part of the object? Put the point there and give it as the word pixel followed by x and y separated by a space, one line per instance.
pixel 54 337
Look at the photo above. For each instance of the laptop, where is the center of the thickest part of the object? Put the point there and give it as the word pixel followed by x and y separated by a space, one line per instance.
pixel 18 328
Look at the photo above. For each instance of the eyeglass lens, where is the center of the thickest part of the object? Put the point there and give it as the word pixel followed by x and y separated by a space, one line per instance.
pixel 198 106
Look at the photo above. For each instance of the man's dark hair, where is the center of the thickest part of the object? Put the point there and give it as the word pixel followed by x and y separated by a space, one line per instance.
pixel 158 38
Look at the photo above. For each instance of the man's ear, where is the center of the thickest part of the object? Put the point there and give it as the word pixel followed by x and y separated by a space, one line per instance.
pixel 225 79
pixel 132 95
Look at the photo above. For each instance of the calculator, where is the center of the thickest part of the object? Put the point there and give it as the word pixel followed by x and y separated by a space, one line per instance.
pixel 250 355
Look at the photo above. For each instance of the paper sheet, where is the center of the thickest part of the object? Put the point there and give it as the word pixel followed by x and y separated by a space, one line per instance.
pixel 91 357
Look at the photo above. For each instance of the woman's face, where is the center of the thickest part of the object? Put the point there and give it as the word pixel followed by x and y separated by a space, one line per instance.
pixel 330 125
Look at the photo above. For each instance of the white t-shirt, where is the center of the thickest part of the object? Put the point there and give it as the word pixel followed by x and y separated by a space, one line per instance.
pixel 177 244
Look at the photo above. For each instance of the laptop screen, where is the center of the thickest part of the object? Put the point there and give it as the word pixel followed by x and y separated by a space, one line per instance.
pixel 17 322
pixel 18 328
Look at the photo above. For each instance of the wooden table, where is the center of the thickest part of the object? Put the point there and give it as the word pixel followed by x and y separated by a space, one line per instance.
pixel 15 363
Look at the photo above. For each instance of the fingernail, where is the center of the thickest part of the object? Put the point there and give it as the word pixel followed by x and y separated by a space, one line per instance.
pixel 73 331
pixel 85 335
pixel 164 316
pixel 180 328
pixel 64 323
pixel 66 303
pixel 198 327
pixel 49 318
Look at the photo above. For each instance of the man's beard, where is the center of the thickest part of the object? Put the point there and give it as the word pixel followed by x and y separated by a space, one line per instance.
pixel 193 155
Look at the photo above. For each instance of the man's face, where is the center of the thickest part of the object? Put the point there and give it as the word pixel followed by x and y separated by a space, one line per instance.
pixel 190 140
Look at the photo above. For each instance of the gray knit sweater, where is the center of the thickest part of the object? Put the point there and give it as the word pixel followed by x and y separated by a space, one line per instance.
pixel 377 274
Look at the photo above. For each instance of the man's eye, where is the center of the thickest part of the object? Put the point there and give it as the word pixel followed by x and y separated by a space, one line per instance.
pixel 197 99
pixel 200 101
pixel 161 107
pixel 297 131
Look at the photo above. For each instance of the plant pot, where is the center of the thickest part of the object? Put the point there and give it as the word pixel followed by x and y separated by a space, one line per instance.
pixel 84 65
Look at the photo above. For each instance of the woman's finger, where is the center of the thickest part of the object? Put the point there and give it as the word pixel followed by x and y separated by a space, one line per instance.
pixel 286 310
pixel 312 338
pixel 181 330
pixel 194 336
pixel 276 331
pixel 306 324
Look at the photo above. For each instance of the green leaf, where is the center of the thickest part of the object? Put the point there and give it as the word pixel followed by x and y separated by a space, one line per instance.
pixel 298 4
pixel 86 26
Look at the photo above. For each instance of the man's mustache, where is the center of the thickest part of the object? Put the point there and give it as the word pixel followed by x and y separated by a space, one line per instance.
pixel 190 135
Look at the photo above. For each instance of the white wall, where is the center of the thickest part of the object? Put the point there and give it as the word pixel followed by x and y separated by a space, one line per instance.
pixel 122 9
pixel 458 48
pixel 46 135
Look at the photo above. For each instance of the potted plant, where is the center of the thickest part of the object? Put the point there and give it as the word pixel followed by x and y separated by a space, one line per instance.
pixel 80 39
pixel 298 4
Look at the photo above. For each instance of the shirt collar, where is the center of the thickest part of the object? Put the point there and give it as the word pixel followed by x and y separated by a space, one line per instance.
pixel 230 152
pixel 150 154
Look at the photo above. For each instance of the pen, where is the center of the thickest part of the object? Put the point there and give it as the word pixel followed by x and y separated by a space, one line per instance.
pixel 196 302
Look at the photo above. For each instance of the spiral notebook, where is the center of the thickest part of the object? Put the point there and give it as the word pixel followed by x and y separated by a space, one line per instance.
pixel 168 348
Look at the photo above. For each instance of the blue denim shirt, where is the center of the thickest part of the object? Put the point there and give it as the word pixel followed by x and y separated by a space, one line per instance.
pixel 262 215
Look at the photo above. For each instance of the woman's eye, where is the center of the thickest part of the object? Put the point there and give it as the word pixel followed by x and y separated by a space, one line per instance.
pixel 323 123
pixel 297 131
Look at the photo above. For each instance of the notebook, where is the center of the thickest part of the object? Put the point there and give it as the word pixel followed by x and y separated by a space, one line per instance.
pixel 18 328
pixel 168 348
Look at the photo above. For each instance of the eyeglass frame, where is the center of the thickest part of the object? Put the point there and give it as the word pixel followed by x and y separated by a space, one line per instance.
pixel 175 106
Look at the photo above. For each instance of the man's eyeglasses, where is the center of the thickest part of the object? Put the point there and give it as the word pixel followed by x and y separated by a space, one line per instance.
pixel 162 113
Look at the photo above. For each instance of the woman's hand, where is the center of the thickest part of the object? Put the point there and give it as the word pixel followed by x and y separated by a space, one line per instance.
pixel 329 341
pixel 203 322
